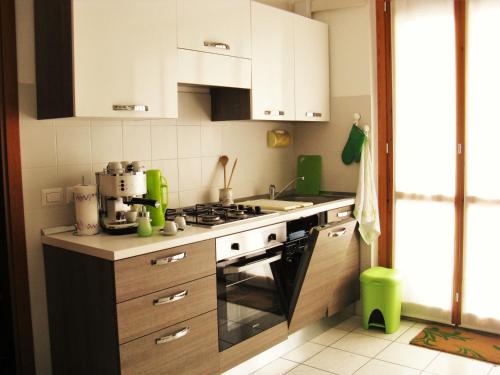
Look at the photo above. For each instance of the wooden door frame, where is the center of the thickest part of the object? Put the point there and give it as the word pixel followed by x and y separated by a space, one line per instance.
pixel 385 142
pixel 13 193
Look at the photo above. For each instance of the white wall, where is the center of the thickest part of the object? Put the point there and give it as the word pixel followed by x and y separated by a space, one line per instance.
pixel 56 153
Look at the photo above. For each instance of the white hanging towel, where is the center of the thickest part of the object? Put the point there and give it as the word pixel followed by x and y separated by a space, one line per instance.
pixel 366 206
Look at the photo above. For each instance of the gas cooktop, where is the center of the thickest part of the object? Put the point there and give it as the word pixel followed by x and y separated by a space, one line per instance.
pixel 215 214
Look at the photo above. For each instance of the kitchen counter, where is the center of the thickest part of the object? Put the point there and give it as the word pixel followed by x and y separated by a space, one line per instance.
pixel 113 248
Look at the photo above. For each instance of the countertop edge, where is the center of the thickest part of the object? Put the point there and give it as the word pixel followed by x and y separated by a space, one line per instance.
pixel 159 242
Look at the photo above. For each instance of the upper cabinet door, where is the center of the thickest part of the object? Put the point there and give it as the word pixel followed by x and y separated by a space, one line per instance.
pixel 272 64
pixel 215 26
pixel 312 70
pixel 125 58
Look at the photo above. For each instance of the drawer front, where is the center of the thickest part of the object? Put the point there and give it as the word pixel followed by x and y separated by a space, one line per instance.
pixel 145 274
pixel 144 315
pixel 340 214
pixel 190 347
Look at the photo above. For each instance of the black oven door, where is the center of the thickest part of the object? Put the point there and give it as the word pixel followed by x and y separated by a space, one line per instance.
pixel 248 296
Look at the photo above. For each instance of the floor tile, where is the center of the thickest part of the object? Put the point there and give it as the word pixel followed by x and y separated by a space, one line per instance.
pixel 279 366
pixel 361 344
pixel 350 324
pixel 379 332
pixel 407 355
pixel 337 361
pixel 329 337
pixel 306 370
pixel 409 334
pixel 449 364
pixel 304 352
pixel 376 367
pixel 495 371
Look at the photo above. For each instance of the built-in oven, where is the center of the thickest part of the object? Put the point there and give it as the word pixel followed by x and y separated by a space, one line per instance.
pixel 249 296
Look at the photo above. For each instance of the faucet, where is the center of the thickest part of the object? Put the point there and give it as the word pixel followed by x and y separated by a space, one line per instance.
pixel 272 188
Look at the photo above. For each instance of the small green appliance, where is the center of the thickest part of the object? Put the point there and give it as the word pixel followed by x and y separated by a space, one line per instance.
pixel 157 189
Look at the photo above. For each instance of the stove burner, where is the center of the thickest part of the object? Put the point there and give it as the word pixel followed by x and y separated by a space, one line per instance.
pixel 210 218
pixel 237 212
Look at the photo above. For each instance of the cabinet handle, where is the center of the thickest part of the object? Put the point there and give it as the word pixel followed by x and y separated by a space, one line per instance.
pixel 219 45
pixel 344 214
pixel 314 114
pixel 169 299
pixel 337 233
pixel 174 336
pixel 167 260
pixel 130 107
pixel 274 113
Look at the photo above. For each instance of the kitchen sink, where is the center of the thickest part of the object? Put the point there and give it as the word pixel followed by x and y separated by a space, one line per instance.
pixel 315 199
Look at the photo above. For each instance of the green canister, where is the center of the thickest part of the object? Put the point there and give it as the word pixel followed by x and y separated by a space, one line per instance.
pixel 158 190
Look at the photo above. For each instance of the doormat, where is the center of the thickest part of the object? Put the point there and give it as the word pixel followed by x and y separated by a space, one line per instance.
pixel 485 347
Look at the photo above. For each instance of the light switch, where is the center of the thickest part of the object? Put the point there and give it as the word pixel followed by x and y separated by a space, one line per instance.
pixel 52 197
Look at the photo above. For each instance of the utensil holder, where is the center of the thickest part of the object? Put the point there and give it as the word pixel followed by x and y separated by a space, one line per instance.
pixel 226 196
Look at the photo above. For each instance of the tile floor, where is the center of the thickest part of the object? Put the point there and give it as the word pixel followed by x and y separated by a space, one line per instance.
pixel 349 349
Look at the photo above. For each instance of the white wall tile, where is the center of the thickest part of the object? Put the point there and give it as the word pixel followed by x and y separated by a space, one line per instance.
pixel 211 140
pixel 71 175
pixel 34 180
pixel 42 146
pixel 73 144
pixel 189 138
pixel 173 200
pixel 107 143
pixel 189 174
pixel 212 173
pixel 163 142
pixel 191 197
pixel 170 170
pixel 136 140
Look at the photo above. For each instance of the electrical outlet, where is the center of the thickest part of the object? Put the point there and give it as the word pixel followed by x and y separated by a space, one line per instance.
pixel 52 197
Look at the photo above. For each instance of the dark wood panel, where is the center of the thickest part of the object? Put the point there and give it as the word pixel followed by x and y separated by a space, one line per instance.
pixel 194 353
pixel 15 295
pixel 139 276
pixel 141 316
pixel 82 315
pixel 333 266
pixel 230 104
pixel 252 346
pixel 54 58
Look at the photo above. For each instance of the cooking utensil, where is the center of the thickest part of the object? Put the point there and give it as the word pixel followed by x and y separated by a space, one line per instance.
pixel 223 160
pixel 232 172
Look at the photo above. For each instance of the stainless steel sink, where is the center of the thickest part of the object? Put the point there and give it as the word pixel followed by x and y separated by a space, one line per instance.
pixel 315 199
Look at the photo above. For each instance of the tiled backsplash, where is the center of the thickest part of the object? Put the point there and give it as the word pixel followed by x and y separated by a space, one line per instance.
pixel 57 153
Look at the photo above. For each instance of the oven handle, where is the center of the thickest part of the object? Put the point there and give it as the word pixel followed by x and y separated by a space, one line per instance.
pixel 231 269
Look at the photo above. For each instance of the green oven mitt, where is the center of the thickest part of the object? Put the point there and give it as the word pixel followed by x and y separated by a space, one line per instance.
pixel 352 148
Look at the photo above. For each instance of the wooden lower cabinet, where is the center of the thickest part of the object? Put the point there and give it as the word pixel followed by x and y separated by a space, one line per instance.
pixel 189 347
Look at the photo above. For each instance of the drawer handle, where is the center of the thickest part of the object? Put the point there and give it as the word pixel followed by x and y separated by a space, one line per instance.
pixel 314 114
pixel 174 336
pixel 274 113
pixel 130 107
pixel 337 233
pixel 169 299
pixel 168 260
pixel 219 45
pixel 344 214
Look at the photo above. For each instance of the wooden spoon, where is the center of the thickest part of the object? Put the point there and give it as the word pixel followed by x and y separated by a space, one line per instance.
pixel 232 172
pixel 224 160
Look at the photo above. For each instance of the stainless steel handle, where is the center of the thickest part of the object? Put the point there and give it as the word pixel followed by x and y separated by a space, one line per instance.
pixel 344 214
pixel 168 260
pixel 219 45
pixel 314 114
pixel 230 269
pixel 269 112
pixel 169 299
pixel 337 233
pixel 174 336
pixel 130 107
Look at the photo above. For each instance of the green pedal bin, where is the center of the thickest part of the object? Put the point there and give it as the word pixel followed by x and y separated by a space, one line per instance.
pixel 381 298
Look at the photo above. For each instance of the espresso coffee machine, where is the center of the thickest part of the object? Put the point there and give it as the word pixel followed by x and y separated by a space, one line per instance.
pixel 119 186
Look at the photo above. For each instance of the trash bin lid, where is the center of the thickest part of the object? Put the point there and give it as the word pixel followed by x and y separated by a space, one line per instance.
pixel 384 275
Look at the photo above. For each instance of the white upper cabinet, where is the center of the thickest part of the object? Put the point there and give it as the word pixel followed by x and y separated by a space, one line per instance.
pixel 312 67
pixel 272 64
pixel 125 58
pixel 215 26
